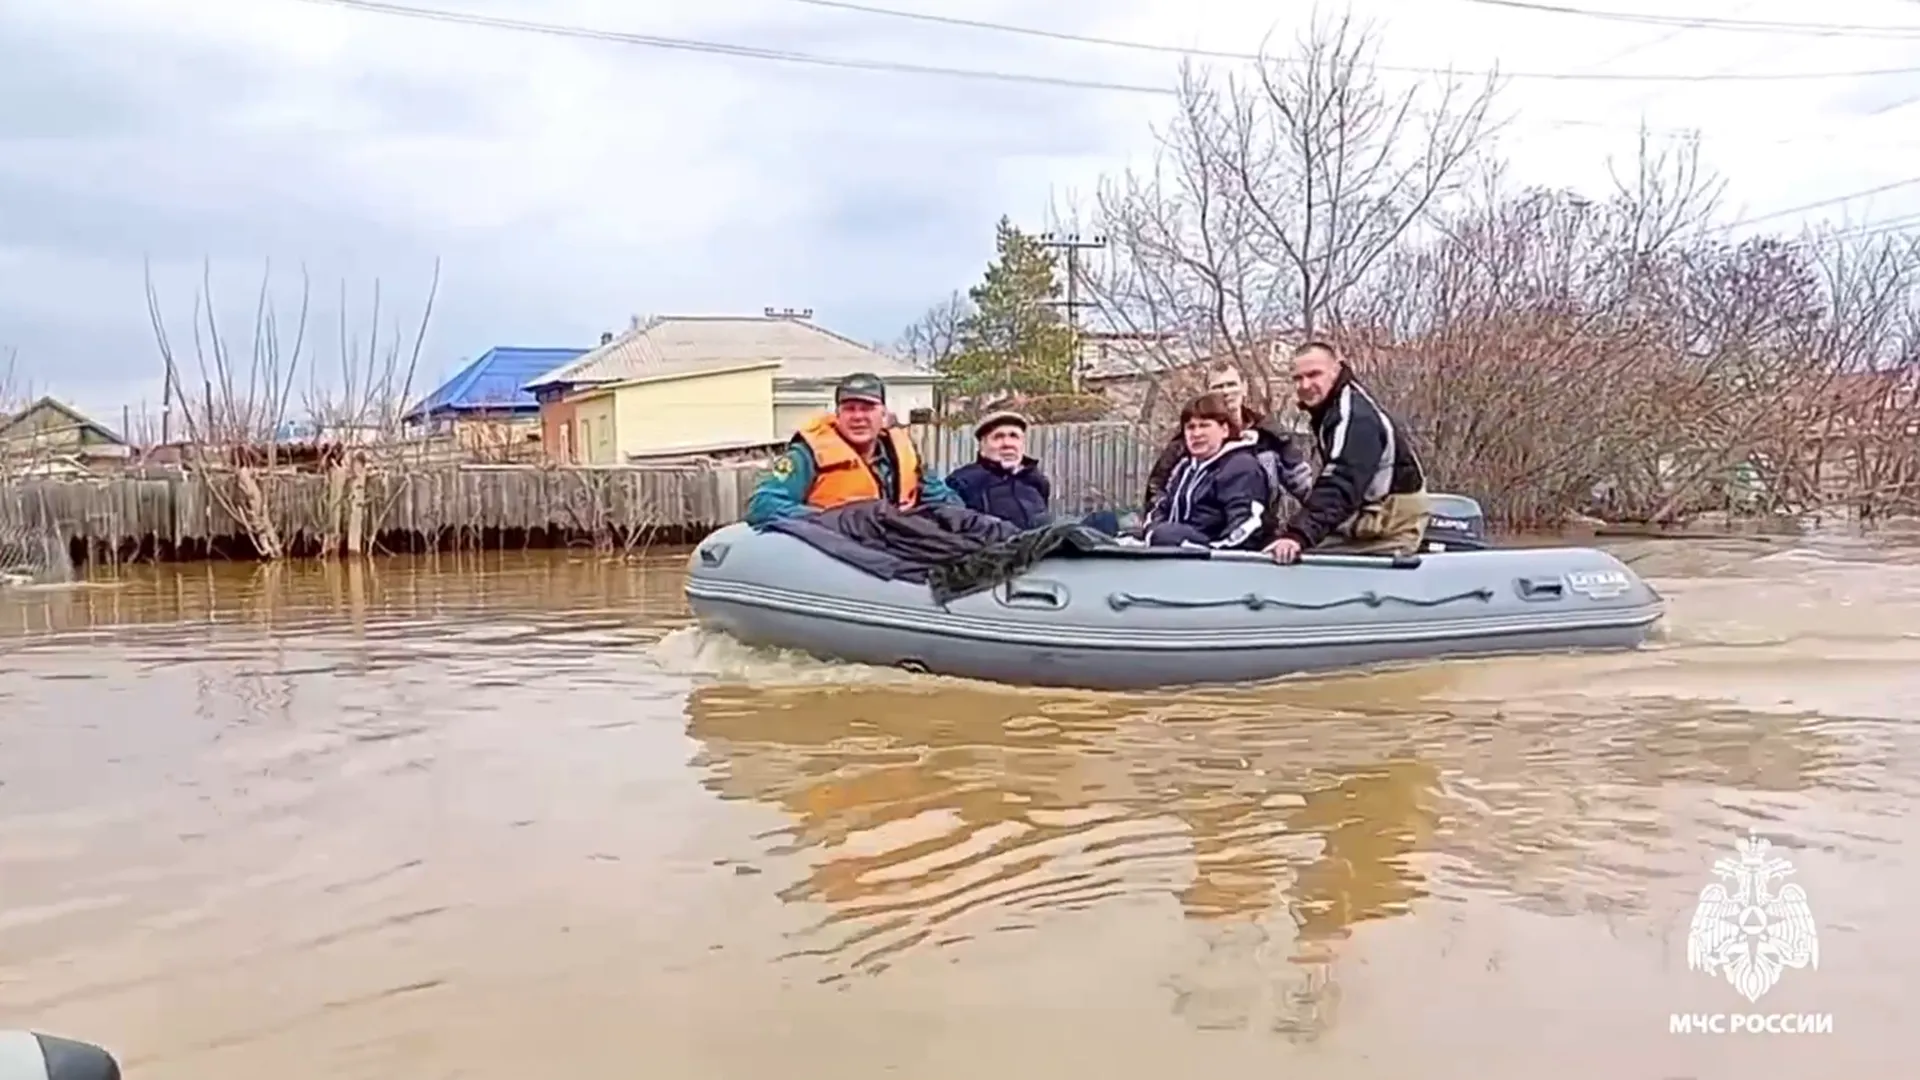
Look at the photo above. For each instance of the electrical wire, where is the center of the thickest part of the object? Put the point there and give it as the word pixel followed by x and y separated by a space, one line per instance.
pixel 1702 22
pixel 1818 204
pixel 373 6
pixel 750 52
pixel 1220 54
pixel 1826 137
pixel 1903 224
pixel 657 41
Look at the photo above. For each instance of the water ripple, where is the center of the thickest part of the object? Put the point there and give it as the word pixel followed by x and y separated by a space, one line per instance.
pixel 411 799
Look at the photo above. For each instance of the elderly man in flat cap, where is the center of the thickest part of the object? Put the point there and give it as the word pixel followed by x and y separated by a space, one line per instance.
pixel 1008 483
pixel 1003 480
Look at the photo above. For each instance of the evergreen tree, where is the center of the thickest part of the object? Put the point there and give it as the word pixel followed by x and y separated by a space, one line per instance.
pixel 1014 340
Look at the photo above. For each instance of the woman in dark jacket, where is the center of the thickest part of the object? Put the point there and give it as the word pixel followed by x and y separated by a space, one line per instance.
pixel 1287 467
pixel 1003 481
pixel 1219 495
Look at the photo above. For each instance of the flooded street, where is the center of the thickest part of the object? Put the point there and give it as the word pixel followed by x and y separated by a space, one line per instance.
pixel 511 817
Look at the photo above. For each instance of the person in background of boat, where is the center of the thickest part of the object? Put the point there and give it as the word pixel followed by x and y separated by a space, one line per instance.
pixel 846 456
pixel 1286 466
pixel 1371 494
pixel 1218 495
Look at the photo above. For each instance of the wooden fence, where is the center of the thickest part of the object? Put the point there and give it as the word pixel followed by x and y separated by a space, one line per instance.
pixel 1093 466
pixel 184 515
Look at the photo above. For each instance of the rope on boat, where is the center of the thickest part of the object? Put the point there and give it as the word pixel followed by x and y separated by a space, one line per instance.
pixel 1121 601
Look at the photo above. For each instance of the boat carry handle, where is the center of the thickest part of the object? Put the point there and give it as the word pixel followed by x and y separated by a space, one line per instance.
pixel 1312 558
pixel 714 554
pixel 1047 595
pixel 1541 588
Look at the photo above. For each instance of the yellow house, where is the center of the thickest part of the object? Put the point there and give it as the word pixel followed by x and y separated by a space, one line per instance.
pixel 686 356
pixel 687 411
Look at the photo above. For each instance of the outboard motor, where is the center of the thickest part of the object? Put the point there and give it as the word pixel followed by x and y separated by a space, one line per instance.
pixel 1456 523
pixel 26 1055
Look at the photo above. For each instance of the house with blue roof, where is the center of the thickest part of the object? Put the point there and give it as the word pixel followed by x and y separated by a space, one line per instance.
pixel 484 406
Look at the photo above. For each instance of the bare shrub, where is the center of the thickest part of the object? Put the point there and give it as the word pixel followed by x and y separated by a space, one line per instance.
pixel 20 453
pixel 1555 353
pixel 13 393
pixel 236 435
pixel 360 419
pixel 1551 352
pixel 1864 435
pixel 933 339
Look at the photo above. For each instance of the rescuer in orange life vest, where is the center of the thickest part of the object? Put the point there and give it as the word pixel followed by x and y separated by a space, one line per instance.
pixel 849 455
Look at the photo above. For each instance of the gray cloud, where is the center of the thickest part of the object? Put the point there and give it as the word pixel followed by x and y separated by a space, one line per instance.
pixel 149 147
pixel 565 185
pixel 54 84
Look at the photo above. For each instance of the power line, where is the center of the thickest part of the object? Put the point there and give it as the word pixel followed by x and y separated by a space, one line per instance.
pixel 1907 223
pixel 755 52
pixel 1219 54
pixel 1702 22
pixel 1819 204
pixel 1719 138
pixel 750 52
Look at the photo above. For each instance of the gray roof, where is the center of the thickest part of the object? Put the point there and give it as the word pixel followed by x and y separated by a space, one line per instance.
pixel 685 344
pixel 1111 359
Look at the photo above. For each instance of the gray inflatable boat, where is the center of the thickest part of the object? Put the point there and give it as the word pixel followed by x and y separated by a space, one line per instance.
pixel 1143 618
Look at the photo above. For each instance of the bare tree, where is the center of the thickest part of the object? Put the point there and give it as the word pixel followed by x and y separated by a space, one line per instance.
pixel 933 338
pixel 233 432
pixel 1276 198
pixel 362 418
pixel 375 377
pixel 12 394
pixel 1555 352
pixel 1552 351
pixel 1865 430
pixel 12 399
pixel 48 445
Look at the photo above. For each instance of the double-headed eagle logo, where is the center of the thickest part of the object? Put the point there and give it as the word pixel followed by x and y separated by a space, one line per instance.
pixel 1752 934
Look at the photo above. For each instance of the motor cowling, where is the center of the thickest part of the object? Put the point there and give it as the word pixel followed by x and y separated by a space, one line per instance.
pixel 1455 523
pixel 27 1055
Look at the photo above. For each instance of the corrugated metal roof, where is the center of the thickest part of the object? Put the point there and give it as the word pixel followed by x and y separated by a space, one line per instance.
pixel 495 381
pixel 677 344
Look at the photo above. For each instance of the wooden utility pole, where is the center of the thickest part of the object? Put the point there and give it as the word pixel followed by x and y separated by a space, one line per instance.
pixel 1073 244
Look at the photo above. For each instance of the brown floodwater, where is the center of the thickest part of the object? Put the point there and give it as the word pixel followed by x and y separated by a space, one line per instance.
pixel 513 817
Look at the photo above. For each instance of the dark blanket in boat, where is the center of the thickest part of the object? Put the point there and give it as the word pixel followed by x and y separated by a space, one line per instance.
pixel 955 551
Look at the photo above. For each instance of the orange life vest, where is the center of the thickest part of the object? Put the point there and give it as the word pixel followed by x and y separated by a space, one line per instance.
pixel 842 476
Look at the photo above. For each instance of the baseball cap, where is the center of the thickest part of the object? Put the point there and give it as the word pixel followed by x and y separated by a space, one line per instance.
pixel 861 387
pixel 999 419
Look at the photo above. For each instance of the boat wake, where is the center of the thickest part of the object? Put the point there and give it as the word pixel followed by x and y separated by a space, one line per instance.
pixel 696 653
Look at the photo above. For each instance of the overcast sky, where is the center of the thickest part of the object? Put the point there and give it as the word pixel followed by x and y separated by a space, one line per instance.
pixel 567 185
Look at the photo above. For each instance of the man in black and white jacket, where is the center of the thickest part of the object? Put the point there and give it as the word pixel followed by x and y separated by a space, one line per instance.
pixel 1371 493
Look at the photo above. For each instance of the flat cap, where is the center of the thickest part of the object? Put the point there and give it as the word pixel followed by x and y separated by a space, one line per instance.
pixel 999 419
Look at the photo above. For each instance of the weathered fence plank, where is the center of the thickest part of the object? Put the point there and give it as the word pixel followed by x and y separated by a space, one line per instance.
pixel 177 515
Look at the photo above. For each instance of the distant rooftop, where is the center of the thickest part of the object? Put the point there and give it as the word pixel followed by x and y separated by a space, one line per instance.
pixel 494 383
pixel 685 344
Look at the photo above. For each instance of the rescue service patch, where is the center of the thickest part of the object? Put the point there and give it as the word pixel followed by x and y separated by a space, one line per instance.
pixel 782 466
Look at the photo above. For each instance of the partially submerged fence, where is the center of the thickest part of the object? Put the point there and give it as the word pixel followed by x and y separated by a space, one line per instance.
pixel 199 514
